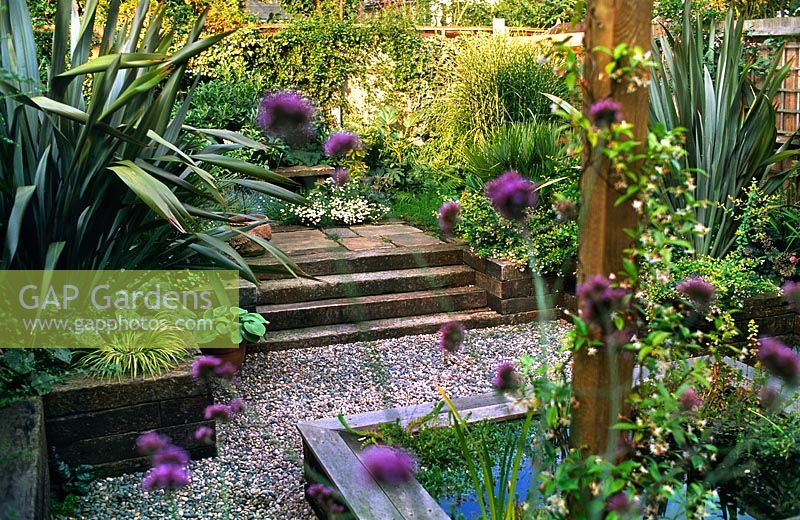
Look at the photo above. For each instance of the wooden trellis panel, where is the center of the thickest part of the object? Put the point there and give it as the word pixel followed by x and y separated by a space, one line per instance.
pixel 788 99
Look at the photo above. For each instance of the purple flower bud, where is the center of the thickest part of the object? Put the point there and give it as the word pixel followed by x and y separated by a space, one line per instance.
pixel 451 336
pixel 512 195
pixel 204 434
pixel 505 377
pixel 619 503
pixel 217 412
pixel 388 465
pixel 779 359
pixel 605 112
pixel 697 289
pixel 151 442
pixel 287 114
pixel 171 456
pixel 166 477
pixel 318 491
pixel 340 144
pixel 204 368
pixel 448 215
pixel 689 400
pixel 599 299
pixel 226 370
pixel 340 177
pixel 791 291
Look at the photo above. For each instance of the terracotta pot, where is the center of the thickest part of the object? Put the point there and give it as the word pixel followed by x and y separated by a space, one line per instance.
pixel 247 247
pixel 234 356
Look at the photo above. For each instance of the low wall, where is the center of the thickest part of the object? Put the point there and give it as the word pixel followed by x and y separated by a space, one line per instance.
pixel 97 423
pixel 772 315
pixel 511 291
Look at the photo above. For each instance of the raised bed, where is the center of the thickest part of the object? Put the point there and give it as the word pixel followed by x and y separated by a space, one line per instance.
pixel 97 422
pixel 333 457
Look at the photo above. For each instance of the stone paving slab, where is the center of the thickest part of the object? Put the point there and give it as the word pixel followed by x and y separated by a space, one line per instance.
pixel 365 244
pixel 305 242
pixel 384 230
pixel 340 232
pixel 413 239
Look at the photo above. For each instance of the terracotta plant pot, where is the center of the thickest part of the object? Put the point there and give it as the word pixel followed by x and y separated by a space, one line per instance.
pixel 234 356
pixel 247 247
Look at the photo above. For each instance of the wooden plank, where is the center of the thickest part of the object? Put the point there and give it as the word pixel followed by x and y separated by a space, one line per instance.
pixel 363 496
pixel 600 382
pixel 764 27
pixel 410 498
pixel 305 171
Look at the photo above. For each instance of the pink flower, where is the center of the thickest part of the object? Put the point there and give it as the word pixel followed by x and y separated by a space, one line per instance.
pixel 599 299
pixel 697 289
pixel 340 177
pixel 204 368
pixel 448 215
pixel 779 359
pixel 451 336
pixel 505 377
pixel 605 112
pixel 171 455
pixel 287 114
pixel 512 195
pixel 388 465
pixel 689 400
pixel 204 434
pixel 791 291
pixel 219 412
pixel 151 442
pixel 226 370
pixel 340 144
pixel 166 477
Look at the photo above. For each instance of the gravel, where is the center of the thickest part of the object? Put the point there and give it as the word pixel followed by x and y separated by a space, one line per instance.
pixel 258 474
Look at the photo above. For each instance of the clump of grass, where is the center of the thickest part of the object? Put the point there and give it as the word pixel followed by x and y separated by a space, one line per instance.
pixel 418 208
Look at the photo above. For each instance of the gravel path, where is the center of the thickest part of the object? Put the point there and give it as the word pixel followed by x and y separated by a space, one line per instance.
pixel 258 474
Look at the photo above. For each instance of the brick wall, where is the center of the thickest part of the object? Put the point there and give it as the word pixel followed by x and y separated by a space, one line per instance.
pixel 95 422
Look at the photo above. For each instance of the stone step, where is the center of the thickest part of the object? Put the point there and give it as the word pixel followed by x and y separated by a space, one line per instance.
pixel 327 263
pixel 362 308
pixel 294 290
pixel 381 329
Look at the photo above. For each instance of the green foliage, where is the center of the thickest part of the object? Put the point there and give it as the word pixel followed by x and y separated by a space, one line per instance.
pixel 310 8
pixel 533 148
pixel 142 353
pixel 26 372
pixel 729 122
pixel 96 174
pixel 391 150
pixel 228 101
pixel 239 324
pixel 67 485
pixel 486 84
pixel 418 207
pixel 548 244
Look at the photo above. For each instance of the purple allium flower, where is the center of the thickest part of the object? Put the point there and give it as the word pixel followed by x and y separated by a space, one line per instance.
pixel 505 377
pixel 605 112
pixel 448 215
pixel 697 289
pixel 319 491
pixel 565 210
pixel 618 502
pixel 791 291
pixel 287 114
pixel 512 195
pixel 599 299
pixel 218 412
pixel 204 434
pixel 340 144
pixel 236 406
pixel 451 336
pixel 779 359
pixel 689 400
pixel 151 442
pixel 388 465
pixel 204 368
pixel 166 476
pixel 340 177
pixel 226 370
pixel 769 397
pixel 171 456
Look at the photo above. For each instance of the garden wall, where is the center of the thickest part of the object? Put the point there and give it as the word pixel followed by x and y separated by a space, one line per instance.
pixel 773 316
pixel 97 423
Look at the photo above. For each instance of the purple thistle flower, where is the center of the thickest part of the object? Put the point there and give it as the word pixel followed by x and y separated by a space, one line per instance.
pixel 505 377
pixel 697 289
pixel 166 476
pixel 204 368
pixel 287 114
pixel 451 336
pixel 605 112
pixel 217 412
pixel 151 442
pixel 618 502
pixel 226 370
pixel 388 465
pixel 319 491
pixel 512 195
pixel 689 400
pixel 448 215
pixel 236 406
pixel 779 359
pixel 204 434
pixel 171 456
pixel 340 144
pixel 791 291
pixel 598 299
pixel 340 177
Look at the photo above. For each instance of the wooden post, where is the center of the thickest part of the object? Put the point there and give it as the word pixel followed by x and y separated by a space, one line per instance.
pixel 601 383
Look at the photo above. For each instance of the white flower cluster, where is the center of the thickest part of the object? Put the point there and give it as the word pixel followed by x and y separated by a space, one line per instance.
pixel 329 204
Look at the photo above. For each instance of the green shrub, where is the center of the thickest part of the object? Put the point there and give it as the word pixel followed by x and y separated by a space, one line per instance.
pixel 229 101
pixel 550 245
pixel 487 83
pixel 26 372
pixel 418 207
